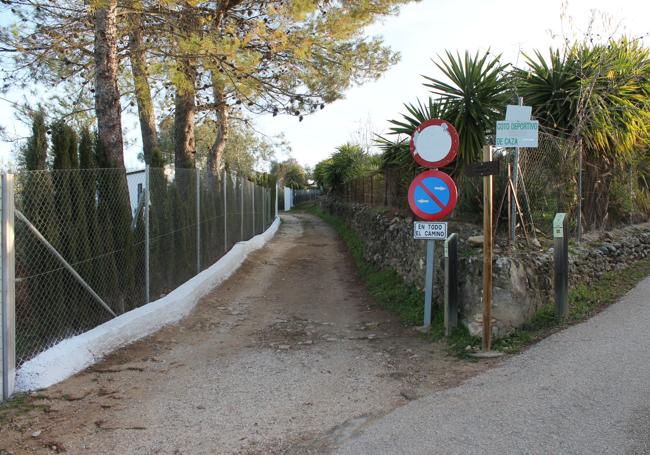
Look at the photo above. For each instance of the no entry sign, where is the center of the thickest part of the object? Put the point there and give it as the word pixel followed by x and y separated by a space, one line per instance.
pixel 432 195
pixel 434 143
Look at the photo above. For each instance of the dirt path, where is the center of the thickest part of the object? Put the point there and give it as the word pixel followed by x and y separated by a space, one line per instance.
pixel 288 356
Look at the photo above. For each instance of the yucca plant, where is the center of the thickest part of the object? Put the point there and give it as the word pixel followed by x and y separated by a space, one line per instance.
pixel 598 96
pixel 475 97
pixel 472 98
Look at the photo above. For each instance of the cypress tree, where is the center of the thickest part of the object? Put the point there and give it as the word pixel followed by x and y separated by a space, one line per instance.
pixel 36 296
pixel 61 143
pixel 105 238
pixel 89 197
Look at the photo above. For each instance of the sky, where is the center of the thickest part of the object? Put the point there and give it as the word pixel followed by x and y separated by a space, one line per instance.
pixel 420 33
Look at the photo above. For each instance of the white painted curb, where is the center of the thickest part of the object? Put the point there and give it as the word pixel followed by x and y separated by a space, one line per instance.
pixel 75 354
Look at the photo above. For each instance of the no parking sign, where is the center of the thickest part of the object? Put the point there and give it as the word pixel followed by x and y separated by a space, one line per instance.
pixel 432 195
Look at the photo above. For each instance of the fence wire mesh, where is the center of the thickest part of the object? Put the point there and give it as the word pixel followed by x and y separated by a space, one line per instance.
pixel 308 195
pixel 547 184
pixel 95 220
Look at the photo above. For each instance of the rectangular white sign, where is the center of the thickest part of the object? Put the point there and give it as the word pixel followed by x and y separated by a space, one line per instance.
pixel 518 113
pixel 517 134
pixel 427 230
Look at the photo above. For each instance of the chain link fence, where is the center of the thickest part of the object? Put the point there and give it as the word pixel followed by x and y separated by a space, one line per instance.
pixel 548 183
pixel 84 253
pixel 307 195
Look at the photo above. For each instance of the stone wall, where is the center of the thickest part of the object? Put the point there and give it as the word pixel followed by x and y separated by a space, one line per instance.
pixel 522 276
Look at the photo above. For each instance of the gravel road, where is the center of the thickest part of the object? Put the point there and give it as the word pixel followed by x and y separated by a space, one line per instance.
pixel 585 390
pixel 290 355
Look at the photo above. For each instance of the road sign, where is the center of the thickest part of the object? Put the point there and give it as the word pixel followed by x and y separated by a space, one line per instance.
pixel 434 143
pixel 432 195
pixel 483 168
pixel 517 133
pixel 515 112
pixel 423 230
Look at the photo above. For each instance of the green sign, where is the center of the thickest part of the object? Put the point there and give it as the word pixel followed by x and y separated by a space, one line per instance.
pixel 517 133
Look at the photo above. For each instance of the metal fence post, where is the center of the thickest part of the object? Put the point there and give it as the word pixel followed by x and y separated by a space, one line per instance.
pixel 254 232
pixel 198 220
pixel 225 213
pixel 8 289
pixel 147 203
pixel 241 208
pixel 277 198
pixel 263 209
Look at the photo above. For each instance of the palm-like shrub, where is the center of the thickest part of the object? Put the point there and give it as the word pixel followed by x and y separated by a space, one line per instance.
pixel 472 97
pixel 597 96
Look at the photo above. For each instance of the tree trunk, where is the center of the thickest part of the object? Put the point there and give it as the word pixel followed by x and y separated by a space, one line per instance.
pixel 184 115
pixel 215 156
pixel 107 95
pixel 146 110
pixel 596 188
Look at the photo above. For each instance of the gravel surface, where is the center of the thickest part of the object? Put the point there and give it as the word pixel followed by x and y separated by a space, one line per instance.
pixel 290 355
pixel 585 390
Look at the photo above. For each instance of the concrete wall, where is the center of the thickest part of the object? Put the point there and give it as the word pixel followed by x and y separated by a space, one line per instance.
pixel 79 352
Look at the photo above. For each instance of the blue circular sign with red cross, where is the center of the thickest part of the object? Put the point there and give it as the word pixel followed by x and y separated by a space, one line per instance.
pixel 432 195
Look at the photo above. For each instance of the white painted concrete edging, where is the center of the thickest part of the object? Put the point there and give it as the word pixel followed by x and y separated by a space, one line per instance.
pixel 75 354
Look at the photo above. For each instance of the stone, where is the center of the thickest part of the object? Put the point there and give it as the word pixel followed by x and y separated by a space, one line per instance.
pixel 476 240
pixel 284 347
pixel 36 434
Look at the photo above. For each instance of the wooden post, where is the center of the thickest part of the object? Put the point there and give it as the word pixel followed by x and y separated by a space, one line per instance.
pixel 487 254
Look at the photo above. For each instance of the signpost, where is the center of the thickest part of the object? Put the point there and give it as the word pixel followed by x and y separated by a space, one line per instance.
pixel 483 168
pixel 517 133
pixel 429 231
pixel 487 254
pixel 517 130
pixel 434 143
pixel 432 194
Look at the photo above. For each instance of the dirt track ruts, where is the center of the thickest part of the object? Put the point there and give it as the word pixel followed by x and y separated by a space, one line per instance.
pixel 290 355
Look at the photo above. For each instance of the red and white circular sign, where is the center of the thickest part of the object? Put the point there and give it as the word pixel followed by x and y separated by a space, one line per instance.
pixel 434 143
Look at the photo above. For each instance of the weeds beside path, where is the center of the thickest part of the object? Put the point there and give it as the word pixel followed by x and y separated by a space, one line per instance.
pixel 405 300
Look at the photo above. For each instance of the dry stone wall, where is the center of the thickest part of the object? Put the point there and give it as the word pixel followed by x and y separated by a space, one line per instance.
pixel 522 277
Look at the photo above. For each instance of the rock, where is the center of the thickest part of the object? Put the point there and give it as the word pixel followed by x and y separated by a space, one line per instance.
pixel 308 342
pixel 475 240
pixel 36 434
pixel 284 347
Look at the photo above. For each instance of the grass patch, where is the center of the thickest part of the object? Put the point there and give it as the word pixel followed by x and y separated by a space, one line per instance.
pixel 386 286
pixel 405 300
pixel 391 292
pixel 18 404
pixel 584 302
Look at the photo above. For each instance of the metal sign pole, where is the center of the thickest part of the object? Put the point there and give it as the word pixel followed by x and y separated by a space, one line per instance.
pixel 428 281
pixel 515 178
